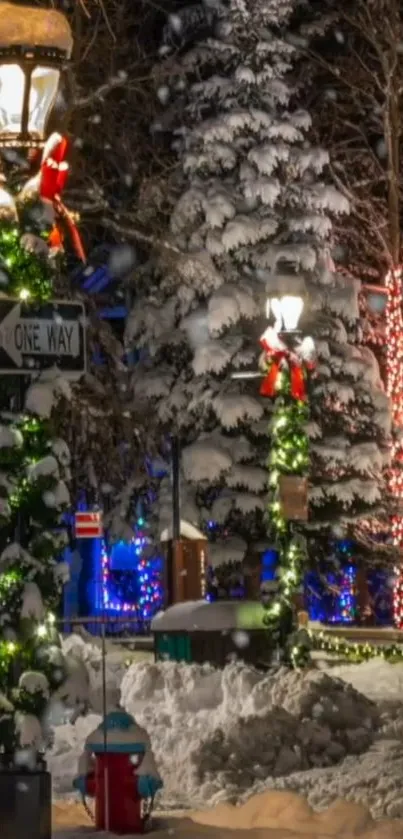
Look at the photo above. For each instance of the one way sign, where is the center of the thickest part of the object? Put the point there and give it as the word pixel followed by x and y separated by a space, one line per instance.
pixel 33 338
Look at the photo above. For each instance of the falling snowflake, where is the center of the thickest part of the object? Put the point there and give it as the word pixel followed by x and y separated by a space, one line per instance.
pixel 163 94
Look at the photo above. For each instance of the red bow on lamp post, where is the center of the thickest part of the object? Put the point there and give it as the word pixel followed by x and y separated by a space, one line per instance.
pixel 52 180
pixel 279 356
pixel 54 170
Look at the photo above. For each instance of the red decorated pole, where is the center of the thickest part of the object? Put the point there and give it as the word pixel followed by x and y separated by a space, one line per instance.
pixel 394 385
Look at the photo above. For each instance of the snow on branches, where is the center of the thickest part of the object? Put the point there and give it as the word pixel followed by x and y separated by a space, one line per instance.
pixel 252 215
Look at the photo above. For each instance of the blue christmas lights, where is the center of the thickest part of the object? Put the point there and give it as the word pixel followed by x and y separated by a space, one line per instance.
pixel 148 572
pixel 347 598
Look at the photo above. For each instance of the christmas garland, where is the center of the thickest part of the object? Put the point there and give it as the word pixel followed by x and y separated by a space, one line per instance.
pixel 285 381
pixel 355 652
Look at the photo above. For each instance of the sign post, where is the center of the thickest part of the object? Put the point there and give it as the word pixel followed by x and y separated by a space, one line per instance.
pixel 36 337
pixel 89 524
pixel 293 497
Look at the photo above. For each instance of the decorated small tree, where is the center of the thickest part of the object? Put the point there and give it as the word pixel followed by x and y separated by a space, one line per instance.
pixel 34 463
pixel 34 467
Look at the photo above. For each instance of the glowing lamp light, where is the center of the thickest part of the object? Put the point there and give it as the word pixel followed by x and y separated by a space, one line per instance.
pixel 24 294
pixel 35 45
pixel 42 631
pixel 287 311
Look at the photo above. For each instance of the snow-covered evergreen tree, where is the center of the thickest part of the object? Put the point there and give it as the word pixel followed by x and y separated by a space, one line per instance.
pixel 253 217
pixel 34 473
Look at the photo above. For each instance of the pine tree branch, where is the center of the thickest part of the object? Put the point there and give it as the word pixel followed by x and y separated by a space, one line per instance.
pixel 139 236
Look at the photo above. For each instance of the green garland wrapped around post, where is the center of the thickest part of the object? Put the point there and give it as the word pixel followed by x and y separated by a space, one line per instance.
pixel 285 373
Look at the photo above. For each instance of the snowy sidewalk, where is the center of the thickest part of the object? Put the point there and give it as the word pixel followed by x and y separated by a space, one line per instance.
pixel 273 815
pixel 186 829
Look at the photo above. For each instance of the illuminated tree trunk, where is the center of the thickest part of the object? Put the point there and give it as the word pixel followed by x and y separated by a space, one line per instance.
pixel 394 384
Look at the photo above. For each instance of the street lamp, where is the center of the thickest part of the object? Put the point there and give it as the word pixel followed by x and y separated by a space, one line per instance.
pixel 35 45
pixel 286 361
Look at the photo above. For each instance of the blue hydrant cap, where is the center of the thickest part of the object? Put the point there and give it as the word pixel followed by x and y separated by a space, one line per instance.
pixel 118 719
pixel 123 735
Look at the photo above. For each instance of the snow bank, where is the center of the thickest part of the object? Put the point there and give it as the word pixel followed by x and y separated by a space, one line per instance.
pixel 376 679
pixel 215 731
pixel 67 747
pixel 373 779
pixel 80 652
pixel 223 735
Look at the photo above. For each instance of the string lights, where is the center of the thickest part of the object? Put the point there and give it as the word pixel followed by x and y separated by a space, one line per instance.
pixel 289 455
pixel 285 363
pixel 148 573
pixel 353 652
pixel 342 584
pixel 394 385
pixel 347 597
pixel 23 273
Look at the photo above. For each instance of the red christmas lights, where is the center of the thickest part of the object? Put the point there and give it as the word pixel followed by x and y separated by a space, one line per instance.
pixel 394 385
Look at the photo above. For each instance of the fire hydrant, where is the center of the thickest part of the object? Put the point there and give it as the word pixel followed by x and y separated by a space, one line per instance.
pixel 118 769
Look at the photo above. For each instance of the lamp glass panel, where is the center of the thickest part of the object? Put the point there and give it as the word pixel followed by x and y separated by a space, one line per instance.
pixel 12 84
pixel 42 95
pixel 291 310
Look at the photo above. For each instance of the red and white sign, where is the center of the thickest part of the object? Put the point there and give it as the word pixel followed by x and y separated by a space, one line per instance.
pixel 89 525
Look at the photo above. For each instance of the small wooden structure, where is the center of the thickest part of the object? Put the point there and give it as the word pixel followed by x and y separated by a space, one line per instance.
pixel 186 564
pixel 198 632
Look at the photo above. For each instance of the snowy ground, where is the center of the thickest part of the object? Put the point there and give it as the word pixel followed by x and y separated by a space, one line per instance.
pixel 220 736
pixel 272 815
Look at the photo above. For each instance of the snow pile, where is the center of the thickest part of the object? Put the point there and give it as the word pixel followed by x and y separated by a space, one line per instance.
pixel 245 726
pixel 222 735
pixel 302 721
pixel 374 779
pixel 376 679
pixel 67 747
pixel 83 654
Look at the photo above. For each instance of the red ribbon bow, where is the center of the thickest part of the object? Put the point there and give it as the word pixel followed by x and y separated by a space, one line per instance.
pixel 277 358
pixel 53 179
pixel 55 171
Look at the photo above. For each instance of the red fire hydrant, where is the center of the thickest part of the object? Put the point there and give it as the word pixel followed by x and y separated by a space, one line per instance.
pixel 117 768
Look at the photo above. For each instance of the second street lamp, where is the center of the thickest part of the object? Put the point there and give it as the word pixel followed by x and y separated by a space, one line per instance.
pixel 285 362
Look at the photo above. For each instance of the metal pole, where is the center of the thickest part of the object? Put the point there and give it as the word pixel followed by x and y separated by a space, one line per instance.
pixel 176 516
pixel 174 558
pixel 21 527
pixel 105 733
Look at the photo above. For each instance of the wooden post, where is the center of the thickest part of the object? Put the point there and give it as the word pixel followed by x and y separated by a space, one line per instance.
pixel 253 575
pixel 365 613
pixel 175 559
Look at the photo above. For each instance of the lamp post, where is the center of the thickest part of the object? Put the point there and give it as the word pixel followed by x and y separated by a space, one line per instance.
pixel 35 45
pixel 287 357
pixel 284 365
